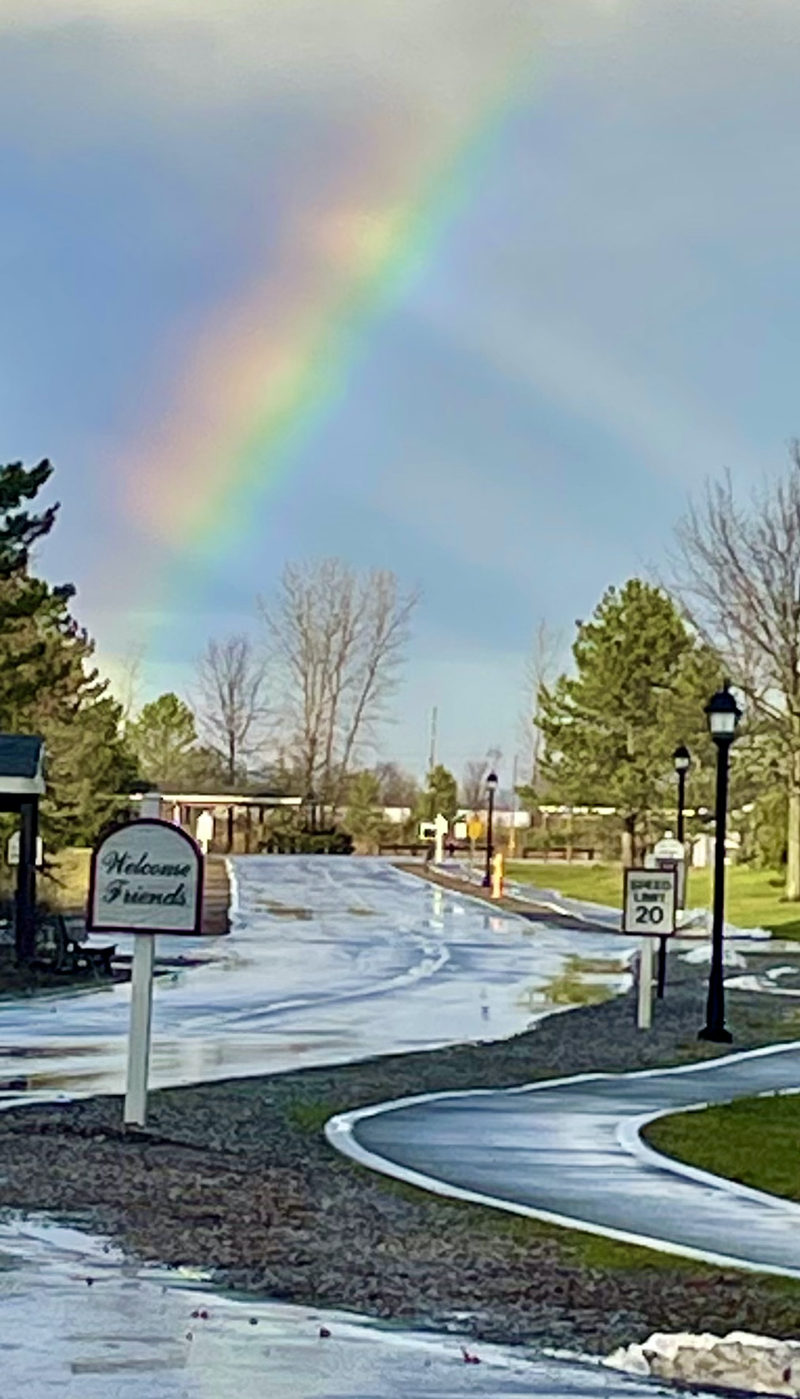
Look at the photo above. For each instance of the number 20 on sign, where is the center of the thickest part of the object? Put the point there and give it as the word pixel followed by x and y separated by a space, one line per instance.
pixel 650 902
pixel 649 910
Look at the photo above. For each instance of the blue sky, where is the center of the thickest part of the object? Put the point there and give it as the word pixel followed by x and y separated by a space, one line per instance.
pixel 612 316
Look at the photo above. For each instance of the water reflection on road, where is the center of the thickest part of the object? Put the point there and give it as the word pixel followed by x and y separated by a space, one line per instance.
pixel 329 960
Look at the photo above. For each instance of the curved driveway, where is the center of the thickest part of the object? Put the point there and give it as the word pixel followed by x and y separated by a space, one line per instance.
pixel 569 1152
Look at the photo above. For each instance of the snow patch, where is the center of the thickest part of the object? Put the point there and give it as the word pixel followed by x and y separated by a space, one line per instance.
pixel 739 1361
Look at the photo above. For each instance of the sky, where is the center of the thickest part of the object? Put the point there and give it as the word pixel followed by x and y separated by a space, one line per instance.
pixel 476 290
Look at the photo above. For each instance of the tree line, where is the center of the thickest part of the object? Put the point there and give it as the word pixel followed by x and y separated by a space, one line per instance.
pixel 647 661
pixel 300 709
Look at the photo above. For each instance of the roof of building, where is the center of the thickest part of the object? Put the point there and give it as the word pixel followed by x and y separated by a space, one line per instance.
pixel 21 765
pixel 219 798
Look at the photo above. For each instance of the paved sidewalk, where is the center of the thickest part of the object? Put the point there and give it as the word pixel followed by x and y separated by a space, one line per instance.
pixel 569 1151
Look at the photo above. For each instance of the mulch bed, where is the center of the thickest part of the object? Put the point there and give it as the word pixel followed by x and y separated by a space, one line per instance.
pixel 238 1178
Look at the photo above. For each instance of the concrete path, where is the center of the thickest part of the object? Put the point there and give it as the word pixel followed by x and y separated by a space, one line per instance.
pixel 569 1151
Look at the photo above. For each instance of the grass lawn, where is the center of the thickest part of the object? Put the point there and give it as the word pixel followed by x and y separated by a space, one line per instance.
pixel 64 884
pixel 754 898
pixel 754 1141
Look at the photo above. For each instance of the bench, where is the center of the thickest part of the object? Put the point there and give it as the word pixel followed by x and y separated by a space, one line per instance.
pixel 70 954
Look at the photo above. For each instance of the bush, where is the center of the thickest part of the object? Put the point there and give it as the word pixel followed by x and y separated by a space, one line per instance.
pixel 333 842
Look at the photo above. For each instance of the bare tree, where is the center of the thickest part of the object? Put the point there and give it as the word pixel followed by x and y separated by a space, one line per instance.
pixel 337 640
pixel 232 681
pixel 539 671
pixel 739 579
pixel 472 786
pixel 128 684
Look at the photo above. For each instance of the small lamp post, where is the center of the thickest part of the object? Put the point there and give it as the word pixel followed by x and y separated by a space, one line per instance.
pixel 682 761
pixel 723 717
pixel 311 810
pixel 491 788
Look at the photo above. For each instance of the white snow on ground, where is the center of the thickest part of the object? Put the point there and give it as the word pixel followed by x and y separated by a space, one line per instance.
pixel 739 1360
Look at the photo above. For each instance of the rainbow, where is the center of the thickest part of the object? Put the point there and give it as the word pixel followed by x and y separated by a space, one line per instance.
pixel 272 367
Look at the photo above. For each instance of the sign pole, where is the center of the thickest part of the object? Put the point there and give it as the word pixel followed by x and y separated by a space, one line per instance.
pixel 442 826
pixel 661 982
pixel 649 900
pixel 139 1043
pixel 146 877
pixel 644 1014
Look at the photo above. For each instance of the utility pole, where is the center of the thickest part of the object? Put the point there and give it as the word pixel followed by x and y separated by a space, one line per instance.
pixel 434 726
pixel 512 833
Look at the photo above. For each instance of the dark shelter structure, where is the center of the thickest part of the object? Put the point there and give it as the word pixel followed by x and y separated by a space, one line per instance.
pixel 21 786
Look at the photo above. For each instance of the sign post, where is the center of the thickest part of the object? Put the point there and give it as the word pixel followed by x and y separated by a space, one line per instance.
pixel 139 1042
pixel 441 826
pixel 669 854
pixel 648 910
pixel 474 831
pixel 146 878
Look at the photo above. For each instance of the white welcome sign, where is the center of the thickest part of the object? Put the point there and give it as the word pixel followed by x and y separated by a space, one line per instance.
pixel 146 877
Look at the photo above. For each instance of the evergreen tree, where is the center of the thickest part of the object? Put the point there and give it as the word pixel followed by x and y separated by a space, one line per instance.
pixel 364 815
pixel 90 770
pixel 639 689
pixel 48 685
pixel 164 739
pixel 22 596
pixel 440 795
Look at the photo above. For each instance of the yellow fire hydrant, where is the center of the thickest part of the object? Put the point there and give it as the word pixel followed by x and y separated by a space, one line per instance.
pixel 498 869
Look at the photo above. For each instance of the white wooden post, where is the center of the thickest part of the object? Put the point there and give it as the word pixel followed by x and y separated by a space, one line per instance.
pixel 139 1043
pixel 442 826
pixel 644 1016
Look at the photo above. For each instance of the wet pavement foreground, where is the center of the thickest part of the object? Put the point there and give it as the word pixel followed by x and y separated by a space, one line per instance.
pixel 129 1335
pixel 328 961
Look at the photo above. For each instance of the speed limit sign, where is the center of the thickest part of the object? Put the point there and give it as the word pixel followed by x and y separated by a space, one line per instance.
pixel 650 899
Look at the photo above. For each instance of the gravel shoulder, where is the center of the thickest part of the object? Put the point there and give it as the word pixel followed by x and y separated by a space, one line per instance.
pixel 237 1177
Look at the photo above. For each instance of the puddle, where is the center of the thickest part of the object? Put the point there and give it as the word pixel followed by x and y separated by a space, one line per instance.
pixel 581 981
pixel 139 1333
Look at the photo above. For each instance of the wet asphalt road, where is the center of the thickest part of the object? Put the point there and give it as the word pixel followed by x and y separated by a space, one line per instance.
pixel 569 1151
pixel 328 961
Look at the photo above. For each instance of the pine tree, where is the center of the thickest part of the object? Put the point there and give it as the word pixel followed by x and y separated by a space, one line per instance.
pixel 48 684
pixel 440 795
pixel 164 739
pixel 90 770
pixel 363 814
pixel 640 685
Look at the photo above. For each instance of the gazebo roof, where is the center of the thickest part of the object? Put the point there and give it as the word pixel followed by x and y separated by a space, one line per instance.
pixel 21 765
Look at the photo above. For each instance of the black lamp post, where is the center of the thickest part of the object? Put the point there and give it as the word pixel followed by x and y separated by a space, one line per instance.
pixel 311 810
pixel 491 788
pixel 682 761
pixel 723 717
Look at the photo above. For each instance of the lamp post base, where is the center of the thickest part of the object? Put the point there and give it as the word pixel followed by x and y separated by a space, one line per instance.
pixel 716 1033
pixel 486 882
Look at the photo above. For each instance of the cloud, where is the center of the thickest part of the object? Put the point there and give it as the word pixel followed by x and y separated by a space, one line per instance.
pixel 430 56
pixel 659 422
